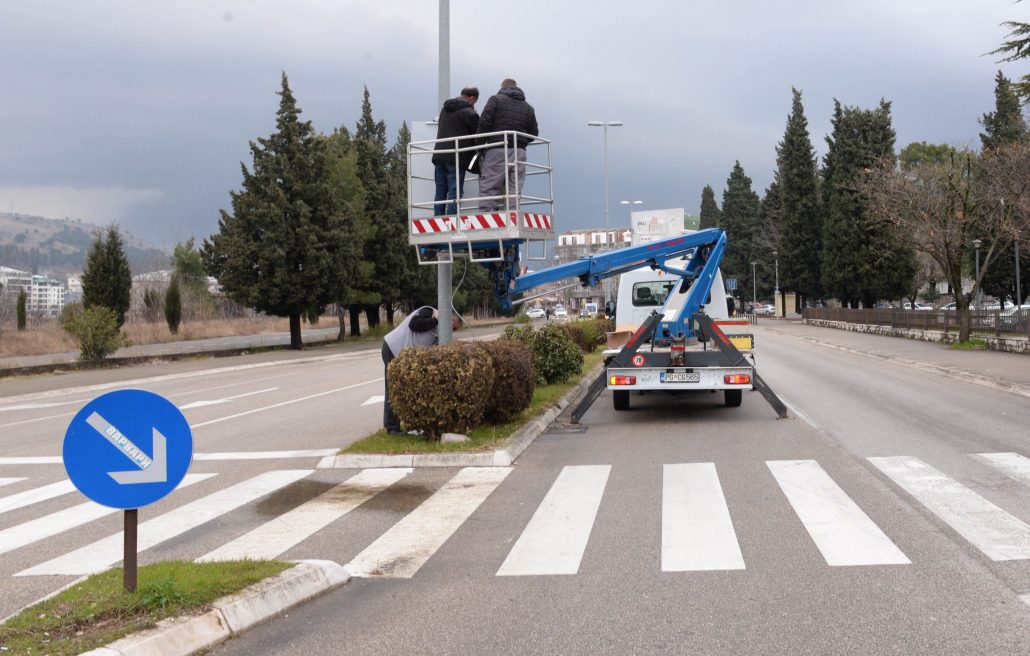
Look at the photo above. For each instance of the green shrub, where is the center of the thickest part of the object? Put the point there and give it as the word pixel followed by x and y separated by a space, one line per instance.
pixel 69 313
pixel 96 329
pixel 555 356
pixel 521 316
pixel 441 389
pixel 522 334
pixel 592 335
pixel 514 380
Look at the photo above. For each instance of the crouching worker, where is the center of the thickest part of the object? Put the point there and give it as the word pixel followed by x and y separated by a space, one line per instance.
pixel 420 328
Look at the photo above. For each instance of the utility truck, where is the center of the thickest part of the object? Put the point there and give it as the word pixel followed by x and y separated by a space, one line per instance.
pixel 673 342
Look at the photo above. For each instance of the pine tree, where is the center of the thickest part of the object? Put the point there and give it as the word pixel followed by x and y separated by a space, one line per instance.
pixel 1017 47
pixel 275 253
pixel 862 260
pixel 107 279
pixel 709 208
pixel 418 283
pixel 173 306
pixel 800 214
pixel 21 310
pixel 740 216
pixel 1005 125
pixel 766 253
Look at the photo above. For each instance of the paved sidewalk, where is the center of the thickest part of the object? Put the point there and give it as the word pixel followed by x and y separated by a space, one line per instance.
pixel 1007 369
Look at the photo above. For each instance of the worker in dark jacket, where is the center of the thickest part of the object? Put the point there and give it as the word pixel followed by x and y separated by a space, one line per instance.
pixel 506 110
pixel 458 118
pixel 420 328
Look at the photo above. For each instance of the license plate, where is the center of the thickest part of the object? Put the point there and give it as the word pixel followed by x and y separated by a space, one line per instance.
pixel 688 377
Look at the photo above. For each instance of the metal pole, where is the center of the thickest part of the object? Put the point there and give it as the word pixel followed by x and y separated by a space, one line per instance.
pixel 1019 289
pixel 776 301
pixel 606 228
pixel 976 300
pixel 129 550
pixel 754 285
pixel 445 273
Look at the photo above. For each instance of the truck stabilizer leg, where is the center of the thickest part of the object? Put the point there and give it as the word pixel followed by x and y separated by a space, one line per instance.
pixel 623 359
pixel 735 358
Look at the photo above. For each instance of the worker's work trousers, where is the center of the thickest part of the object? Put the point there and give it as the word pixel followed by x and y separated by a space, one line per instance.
pixel 390 421
pixel 491 177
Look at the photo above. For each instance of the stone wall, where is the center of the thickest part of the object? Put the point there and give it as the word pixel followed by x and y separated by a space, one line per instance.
pixel 1007 344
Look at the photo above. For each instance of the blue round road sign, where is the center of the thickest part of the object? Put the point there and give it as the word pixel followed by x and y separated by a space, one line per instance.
pixel 128 449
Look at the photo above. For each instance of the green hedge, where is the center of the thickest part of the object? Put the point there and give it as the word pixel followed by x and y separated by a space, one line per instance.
pixel 514 380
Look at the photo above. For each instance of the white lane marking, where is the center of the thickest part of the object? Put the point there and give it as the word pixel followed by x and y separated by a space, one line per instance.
pixel 372 400
pixel 35 495
pixel 49 525
pixel 8 481
pixel 249 381
pixel 1012 465
pixel 82 389
pixel 554 540
pixel 989 528
pixel 203 404
pixel 284 403
pixel 35 406
pixel 840 529
pixel 100 555
pixel 37 419
pixel 291 528
pixel 697 531
pixel 402 550
pixel 266 455
pixel 31 460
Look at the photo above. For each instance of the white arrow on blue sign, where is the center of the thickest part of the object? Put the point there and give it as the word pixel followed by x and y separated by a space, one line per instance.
pixel 128 449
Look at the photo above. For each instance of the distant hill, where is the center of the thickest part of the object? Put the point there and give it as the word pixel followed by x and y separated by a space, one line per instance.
pixel 58 247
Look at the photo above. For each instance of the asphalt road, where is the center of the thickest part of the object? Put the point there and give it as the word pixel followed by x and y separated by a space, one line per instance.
pixel 864 524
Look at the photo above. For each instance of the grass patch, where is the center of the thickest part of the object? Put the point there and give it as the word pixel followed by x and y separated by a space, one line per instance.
pixel 98 611
pixel 970 345
pixel 482 438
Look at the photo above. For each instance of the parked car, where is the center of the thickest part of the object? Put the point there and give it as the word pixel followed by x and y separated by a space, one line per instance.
pixel 535 313
pixel 918 307
pixel 765 310
pixel 560 312
pixel 1014 318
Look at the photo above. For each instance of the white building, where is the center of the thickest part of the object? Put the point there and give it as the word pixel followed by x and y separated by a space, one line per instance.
pixel 46 297
pixel 14 281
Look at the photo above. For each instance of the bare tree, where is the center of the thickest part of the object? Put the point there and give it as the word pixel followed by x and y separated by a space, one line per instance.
pixel 939 208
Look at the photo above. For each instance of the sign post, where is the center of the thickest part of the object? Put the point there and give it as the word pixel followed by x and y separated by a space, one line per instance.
pixel 128 449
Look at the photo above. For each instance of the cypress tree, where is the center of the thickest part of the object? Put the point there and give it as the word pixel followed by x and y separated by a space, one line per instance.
pixel 275 252
pixel 21 310
pixel 862 260
pixel 107 279
pixel 767 240
pixel 173 306
pixel 800 214
pixel 709 209
pixel 740 216
pixel 418 283
pixel 1005 124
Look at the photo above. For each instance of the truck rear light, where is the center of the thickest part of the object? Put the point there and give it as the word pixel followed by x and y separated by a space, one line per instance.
pixel 737 379
pixel 622 380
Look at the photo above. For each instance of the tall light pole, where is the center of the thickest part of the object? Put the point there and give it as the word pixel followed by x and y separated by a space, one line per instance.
pixel 444 272
pixel 1019 289
pixel 605 125
pixel 754 284
pixel 776 294
pixel 977 244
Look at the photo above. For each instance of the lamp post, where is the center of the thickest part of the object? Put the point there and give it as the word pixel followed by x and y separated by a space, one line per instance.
pixel 1019 290
pixel 605 125
pixel 754 284
pixel 976 244
pixel 776 293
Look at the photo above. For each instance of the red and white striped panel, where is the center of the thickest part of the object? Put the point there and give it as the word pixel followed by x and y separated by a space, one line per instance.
pixel 485 221
pixel 435 224
pixel 541 221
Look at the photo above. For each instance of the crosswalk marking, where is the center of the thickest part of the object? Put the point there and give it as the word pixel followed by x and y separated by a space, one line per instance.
pixel 291 528
pixel 35 495
pixel 843 533
pixel 47 526
pixel 1012 465
pixel 402 550
pixel 102 554
pixel 989 528
pixel 697 532
pixel 9 481
pixel 556 536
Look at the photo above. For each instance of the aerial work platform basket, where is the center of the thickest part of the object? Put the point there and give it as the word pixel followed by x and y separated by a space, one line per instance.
pixel 495 228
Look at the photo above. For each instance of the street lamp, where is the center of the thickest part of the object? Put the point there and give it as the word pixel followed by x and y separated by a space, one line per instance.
pixel 776 293
pixel 1019 290
pixel 605 125
pixel 977 244
pixel 754 284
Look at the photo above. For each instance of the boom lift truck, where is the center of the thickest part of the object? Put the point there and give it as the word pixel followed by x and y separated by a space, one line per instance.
pixel 668 351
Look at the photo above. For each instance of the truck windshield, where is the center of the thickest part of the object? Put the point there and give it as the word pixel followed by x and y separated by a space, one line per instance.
pixel 652 292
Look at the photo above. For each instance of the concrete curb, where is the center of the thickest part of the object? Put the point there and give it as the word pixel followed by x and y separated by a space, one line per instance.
pixel 503 457
pixel 231 615
pixel 949 372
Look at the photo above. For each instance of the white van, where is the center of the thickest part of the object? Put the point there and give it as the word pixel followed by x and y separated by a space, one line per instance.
pixel 644 290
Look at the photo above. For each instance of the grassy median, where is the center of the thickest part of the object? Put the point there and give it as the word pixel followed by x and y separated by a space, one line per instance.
pixel 98 611
pixel 483 438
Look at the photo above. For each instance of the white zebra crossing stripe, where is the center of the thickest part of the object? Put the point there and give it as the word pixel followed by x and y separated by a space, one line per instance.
pixel 1012 465
pixel 697 532
pixel 35 495
pixel 47 526
pixel 989 528
pixel 9 481
pixel 402 550
pixel 556 536
pixel 843 533
pixel 291 528
pixel 102 554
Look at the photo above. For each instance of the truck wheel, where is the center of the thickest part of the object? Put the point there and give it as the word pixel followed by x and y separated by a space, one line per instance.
pixel 620 399
pixel 733 397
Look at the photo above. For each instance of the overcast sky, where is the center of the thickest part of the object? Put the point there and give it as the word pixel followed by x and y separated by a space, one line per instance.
pixel 141 111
